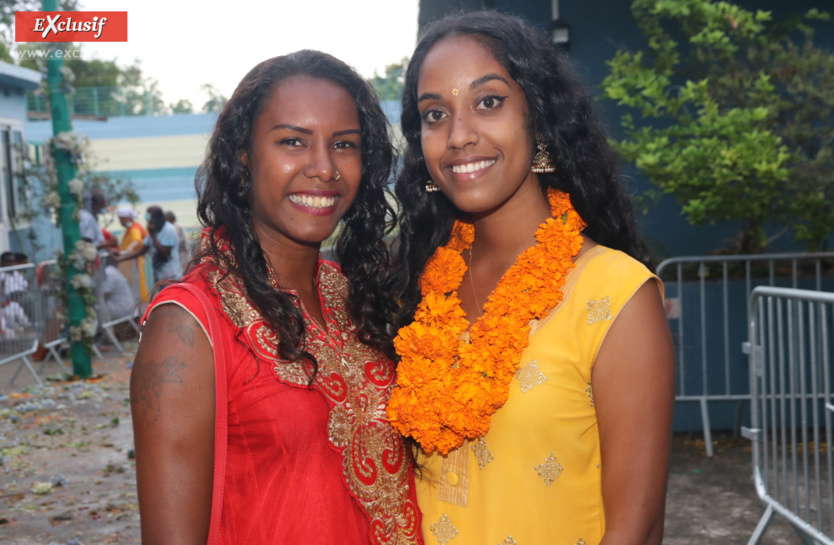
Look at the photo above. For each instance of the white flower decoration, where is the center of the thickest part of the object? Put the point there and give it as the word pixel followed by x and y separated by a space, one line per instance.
pixel 76 186
pixel 52 200
pixel 81 281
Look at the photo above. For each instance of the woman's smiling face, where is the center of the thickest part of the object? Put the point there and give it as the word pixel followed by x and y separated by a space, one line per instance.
pixel 475 133
pixel 305 161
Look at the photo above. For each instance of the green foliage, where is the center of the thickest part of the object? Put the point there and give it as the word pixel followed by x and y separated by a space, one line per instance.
pixel 390 86
pixel 182 106
pixel 735 117
pixel 42 184
pixel 216 101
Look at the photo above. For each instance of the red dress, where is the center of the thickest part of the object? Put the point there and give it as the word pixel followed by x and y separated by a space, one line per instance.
pixel 297 463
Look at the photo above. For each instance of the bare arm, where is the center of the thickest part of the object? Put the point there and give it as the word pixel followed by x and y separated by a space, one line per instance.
pixel 172 401
pixel 141 249
pixel 634 389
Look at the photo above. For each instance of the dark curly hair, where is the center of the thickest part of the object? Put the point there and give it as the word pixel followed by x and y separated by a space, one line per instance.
pixel 561 111
pixel 360 249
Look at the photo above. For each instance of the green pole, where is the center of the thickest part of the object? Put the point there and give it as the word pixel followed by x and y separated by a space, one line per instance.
pixel 81 364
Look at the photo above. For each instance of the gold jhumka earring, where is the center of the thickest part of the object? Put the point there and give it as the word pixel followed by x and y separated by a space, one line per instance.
pixel 541 161
pixel 431 187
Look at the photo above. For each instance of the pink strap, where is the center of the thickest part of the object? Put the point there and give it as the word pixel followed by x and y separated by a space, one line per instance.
pixel 220 411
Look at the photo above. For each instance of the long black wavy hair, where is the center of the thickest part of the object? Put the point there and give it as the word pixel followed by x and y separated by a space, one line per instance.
pixel 225 185
pixel 561 111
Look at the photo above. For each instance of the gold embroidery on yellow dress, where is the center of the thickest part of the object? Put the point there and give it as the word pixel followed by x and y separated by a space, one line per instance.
pixel 530 376
pixel 482 453
pixel 599 311
pixel 549 470
pixel 353 378
pixel 589 391
pixel 581 542
pixel 509 541
pixel 443 530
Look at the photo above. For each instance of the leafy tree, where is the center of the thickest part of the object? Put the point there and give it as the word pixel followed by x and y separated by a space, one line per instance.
pixel 736 117
pixel 390 86
pixel 216 100
pixel 182 106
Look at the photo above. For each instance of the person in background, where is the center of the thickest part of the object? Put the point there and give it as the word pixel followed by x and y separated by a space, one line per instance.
pixel 162 243
pixel 118 297
pixel 185 245
pixel 133 240
pixel 12 281
pixel 88 219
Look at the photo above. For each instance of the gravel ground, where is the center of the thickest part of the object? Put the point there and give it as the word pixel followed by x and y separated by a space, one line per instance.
pixel 67 477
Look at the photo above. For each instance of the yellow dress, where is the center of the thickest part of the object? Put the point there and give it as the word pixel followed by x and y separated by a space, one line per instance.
pixel 534 479
pixel 134 270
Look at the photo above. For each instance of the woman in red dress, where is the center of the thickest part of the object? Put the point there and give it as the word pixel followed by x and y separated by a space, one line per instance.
pixel 259 389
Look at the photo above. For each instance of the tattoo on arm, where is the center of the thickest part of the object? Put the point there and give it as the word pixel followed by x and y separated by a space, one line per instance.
pixel 151 382
pixel 183 330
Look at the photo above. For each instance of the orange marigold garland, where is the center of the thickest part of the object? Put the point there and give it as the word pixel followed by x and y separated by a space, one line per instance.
pixel 447 388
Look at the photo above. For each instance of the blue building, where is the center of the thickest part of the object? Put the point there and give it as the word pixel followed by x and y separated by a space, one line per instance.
pixel 14 82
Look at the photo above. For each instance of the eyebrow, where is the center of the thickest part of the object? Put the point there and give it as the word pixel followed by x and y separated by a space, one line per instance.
pixel 483 79
pixel 308 131
pixel 428 96
pixel 291 127
pixel 474 85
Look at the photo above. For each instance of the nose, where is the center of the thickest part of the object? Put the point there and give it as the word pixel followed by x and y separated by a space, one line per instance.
pixel 321 164
pixel 461 132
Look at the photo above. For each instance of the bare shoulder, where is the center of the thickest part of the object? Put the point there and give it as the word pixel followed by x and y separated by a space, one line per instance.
pixel 174 362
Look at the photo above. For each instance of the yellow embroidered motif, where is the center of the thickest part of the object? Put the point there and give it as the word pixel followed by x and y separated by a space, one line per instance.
pixel 599 311
pixel 530 376
pixel 443 530
pixel 590 392
pixel 581 542
pixel 550 469
pixel 509 541
pixel 482 453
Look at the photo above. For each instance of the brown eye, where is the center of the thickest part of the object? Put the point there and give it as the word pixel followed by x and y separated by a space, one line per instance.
pixel 491 102
pixel 433 116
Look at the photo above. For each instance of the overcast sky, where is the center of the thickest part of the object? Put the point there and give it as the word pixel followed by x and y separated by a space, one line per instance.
pixel 186 44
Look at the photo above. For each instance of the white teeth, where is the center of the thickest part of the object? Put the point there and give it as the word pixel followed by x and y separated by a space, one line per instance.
pixel 313 201
pixel 472 167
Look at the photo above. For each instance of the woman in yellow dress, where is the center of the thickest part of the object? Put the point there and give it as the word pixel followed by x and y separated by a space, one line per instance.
pixel 131 241
pixel 537 369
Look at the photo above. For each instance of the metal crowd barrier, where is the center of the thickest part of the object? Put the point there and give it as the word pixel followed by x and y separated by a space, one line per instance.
pixel 21 317
pixel 33 318
pixel 719 294
pixel 791 336
pixel 55 332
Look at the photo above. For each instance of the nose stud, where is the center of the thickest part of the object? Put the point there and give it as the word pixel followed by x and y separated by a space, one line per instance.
pixel 338 176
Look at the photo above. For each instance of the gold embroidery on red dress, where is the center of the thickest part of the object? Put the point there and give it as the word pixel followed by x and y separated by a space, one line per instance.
pixel 356 380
